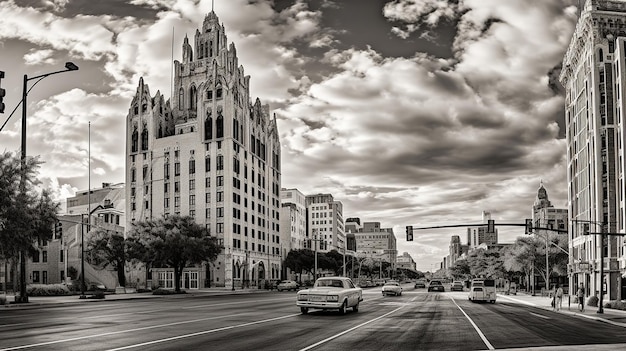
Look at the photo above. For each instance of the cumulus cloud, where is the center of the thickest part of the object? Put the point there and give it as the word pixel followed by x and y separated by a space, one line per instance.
pixel 36 57
pixel 418 13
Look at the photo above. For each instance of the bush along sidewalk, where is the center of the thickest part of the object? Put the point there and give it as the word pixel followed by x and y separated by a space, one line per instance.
pixel 47 290
pixel 616 305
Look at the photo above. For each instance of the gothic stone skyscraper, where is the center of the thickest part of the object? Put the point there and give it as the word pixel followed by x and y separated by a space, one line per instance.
pixel 212 154
pixel 594 75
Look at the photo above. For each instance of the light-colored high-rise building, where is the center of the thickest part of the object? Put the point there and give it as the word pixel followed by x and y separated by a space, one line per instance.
pixel 594 76
pixel 211 153
pixel 325 222
pixel 293 219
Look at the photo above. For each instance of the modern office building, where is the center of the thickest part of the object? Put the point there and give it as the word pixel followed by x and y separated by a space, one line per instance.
pixel 325 223
pixel 594 77
pixel 212 153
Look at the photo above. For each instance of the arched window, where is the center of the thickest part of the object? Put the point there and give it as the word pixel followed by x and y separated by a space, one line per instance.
pixel 208 127
pixel 211 48
pixel 601 55
pixel 135 140
pixel 219 126
pixel 181 99
pixel 144 138
pixel 201 51
pixel 192 97
pixel 160 135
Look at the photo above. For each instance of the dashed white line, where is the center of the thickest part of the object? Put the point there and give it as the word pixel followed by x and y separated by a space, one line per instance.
pixel 113 333
pixel 202 333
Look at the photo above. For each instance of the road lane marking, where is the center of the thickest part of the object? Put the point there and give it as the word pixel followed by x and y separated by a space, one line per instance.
pixel 351 329
pixel 202 332
pixel 539 315
pixel 115 332
pixel 480 333
pixel 235 303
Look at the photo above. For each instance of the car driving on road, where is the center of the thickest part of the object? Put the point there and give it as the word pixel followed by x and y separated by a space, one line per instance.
pixel 392 288
pixel 456 286
pixel 330 293
pixel 287 285
pixel 420 283
pixel 435 285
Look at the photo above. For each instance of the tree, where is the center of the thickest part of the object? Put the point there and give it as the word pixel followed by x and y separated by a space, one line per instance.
pixel 461 269
pixel 107 249
pixel 174 242
pixel 299 261
pixel 522 256
pixel 27 213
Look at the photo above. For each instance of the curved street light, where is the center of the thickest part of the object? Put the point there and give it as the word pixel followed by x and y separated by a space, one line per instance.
pixel 69 66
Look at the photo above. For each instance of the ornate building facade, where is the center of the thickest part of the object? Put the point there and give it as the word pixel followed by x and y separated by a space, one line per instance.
pixel 593 75
pixel 212 154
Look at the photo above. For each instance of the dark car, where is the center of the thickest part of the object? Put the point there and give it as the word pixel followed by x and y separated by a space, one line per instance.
pixel 420 284
pixel 435 285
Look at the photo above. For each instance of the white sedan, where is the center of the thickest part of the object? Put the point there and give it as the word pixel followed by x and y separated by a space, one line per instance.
pixel 392 288
pixel 330 293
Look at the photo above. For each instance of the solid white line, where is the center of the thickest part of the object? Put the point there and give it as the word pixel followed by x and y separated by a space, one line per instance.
pixel 202 333
pixel 113 333
pixel 351 329
pixel 480 333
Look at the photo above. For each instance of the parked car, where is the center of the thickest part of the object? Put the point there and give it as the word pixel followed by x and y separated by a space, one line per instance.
pixel 420 284
pixel 435 285
pixel 456 286
pixel 330 293
pixel 287 285
pixel 392 288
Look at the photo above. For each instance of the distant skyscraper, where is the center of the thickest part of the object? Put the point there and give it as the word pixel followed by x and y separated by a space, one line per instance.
pixel 212 154
pixel 594 76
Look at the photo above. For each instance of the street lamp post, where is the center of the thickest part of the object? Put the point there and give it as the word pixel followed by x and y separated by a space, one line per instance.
pixel 69 66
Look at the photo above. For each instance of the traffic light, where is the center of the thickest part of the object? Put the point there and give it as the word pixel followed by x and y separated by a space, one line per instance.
pixel 2 93
pixel 491 226
pixel 585 228
pixel 409 233
pixel 529 226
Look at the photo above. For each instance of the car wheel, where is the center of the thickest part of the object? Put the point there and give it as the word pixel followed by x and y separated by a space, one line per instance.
pixel 304 310
pixel 342 309
pixel 355 308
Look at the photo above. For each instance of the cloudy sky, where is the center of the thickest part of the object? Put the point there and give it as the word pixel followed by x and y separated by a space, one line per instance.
pixel 410 112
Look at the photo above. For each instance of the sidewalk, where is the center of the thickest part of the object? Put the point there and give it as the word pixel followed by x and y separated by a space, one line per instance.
pixel 611 316
pixel 39 301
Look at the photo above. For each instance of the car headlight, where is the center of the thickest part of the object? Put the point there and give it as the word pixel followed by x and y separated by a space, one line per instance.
pixel 303 297
pixel 332 298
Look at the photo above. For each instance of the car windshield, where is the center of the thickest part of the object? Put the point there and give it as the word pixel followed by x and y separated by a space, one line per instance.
pixel 392 284
pixel 335 283
pixel 435 282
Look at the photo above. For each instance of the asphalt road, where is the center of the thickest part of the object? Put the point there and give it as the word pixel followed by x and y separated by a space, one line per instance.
pixel 417 320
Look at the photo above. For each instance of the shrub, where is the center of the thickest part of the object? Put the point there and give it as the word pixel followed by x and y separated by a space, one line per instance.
pixel 97 295
pixel 616 305
pixel 47 290
pixel 592 301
